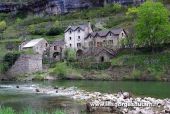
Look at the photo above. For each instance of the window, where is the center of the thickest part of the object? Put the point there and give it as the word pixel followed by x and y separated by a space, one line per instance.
pixel 122 34
pixel 110 42
pixel 78 30
pixel 78 37
pixel 70 45
pixel 70 32
pixel 46 44
pixel 78 44
pixel 70 38
pixel 110 34
pixel 55 47
pixel 99 44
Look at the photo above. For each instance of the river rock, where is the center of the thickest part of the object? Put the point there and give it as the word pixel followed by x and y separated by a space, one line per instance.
pixel 37 90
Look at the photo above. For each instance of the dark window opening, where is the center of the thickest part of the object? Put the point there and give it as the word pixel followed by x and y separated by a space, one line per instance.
pixel 102 59
pixel 55 47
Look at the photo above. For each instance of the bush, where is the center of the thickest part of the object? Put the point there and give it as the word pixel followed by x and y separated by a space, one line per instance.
pixel 2 25
pixel 55 31
pixel 60 69
pixel 6 111
pixel 9 60
pixel 70 54
pixel 136 74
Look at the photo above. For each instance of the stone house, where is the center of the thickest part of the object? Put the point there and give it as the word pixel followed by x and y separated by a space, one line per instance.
pixel 75 35
pixel 57 50
pixel 110 38
pixel 37 46
pixel 99 54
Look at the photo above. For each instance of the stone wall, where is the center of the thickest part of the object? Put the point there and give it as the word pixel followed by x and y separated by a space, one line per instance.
pixel 26 64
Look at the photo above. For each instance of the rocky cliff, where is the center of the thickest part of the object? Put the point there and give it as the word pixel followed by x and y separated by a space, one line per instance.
pixel 58 6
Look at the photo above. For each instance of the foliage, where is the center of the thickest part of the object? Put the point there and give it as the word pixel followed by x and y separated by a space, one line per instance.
pixel 54 31
pixel 60 70
pixel 70 54
pixel 18 20
pixel 136 74
pixel 9 59
pixel 90 65
pixel 132 12
pixel 117 7
pixel 3 25
pixel 7 110
pixel 152 26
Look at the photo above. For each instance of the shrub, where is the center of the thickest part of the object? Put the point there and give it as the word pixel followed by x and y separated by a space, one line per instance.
pixel 136 74
pixel 55 31
pixel 6 111
pixel 9 59
pixel 70 54
pixel 60 69
pixel 2 25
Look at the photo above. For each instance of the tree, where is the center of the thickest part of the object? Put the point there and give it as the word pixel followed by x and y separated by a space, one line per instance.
pixel 3 25
pixel 132 12
pixel 70 55
pixel 153 25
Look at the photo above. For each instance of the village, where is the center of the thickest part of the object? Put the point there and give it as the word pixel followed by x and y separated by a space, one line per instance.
pixel 97 46
pixel 84 56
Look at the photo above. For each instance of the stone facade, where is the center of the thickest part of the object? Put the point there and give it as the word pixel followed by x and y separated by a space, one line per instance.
pixel 26 64
pixel 99 54
pixel 37 46
pixel 75 35
pixel 57 50
pixel 111 39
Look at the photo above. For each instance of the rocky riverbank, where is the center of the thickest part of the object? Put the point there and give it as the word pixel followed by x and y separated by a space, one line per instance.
pixel 122 102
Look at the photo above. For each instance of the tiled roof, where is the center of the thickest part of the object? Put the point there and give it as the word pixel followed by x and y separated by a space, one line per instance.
pixel 76 27
pixel 115 32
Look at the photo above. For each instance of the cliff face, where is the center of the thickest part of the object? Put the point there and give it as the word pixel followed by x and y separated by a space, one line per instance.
pixel 58 6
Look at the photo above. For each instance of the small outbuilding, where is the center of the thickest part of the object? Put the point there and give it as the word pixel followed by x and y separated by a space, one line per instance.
pixel 37 46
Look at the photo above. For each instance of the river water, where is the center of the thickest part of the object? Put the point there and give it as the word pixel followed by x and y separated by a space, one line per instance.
pixel 22 98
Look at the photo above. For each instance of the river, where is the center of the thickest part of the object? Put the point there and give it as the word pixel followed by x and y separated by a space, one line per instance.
pixel 22 98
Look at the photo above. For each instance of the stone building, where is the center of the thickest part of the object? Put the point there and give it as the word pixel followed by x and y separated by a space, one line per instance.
pixel 26 64
pixel 38 46
pixel 99 54
pixel 74 36
pixel 110 38
pixel 56 50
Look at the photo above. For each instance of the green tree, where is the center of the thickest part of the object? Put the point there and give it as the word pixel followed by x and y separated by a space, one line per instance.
pixel 132 12
pixel 70 54
pixel 153 25
pixel 3 25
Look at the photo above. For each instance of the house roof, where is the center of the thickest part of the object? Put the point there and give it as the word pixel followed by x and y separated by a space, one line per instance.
pixel 32 43
pixel 115 32
pixel 97 50
pixel 74 28
pixel 58 43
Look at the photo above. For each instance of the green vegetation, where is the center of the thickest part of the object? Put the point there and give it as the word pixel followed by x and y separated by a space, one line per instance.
pixel 62 70
pixel 70 55
pixel 8 60
pixel 153 65
pixel 27 111
pixel 153 25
